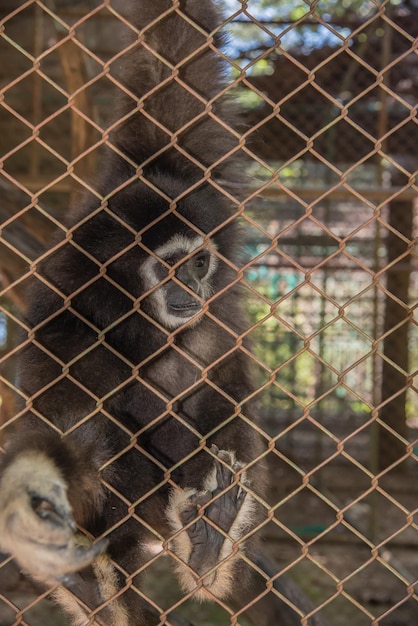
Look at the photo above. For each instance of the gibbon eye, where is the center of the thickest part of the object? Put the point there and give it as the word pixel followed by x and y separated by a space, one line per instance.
pixel 202 259
pixel 170 261
pixel 201 263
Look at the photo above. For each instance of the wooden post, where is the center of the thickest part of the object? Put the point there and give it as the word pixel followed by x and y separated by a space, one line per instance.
pixel 395 345
pixel 75 72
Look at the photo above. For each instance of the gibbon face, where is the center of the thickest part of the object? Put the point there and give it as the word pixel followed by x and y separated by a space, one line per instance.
pixel 178 296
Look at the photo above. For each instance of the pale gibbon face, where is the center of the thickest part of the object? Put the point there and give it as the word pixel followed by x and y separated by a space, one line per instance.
pixel 171 304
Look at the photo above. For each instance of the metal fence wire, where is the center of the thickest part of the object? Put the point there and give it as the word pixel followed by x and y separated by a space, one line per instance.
pixel 328 93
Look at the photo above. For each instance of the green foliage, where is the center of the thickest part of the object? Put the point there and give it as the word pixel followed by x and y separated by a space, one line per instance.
pixel 323 8
pixel 295 355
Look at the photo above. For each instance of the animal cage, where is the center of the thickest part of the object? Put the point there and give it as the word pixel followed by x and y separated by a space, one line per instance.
pixel 326 94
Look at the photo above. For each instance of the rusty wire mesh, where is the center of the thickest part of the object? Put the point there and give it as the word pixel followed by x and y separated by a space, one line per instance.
pixel 330 218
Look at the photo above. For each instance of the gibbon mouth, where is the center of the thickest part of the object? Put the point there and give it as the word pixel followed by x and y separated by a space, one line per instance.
pixel 186 309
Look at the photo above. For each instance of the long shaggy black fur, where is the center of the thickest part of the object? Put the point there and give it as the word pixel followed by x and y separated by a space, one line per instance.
pixel 125 409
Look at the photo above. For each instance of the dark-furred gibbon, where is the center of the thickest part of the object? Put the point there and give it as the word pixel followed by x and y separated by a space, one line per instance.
pixel 138 430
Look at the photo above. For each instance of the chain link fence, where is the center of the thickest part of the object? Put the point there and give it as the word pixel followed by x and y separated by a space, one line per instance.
pixel 328 93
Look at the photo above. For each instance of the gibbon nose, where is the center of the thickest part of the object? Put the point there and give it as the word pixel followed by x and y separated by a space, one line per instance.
pixel 189 277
